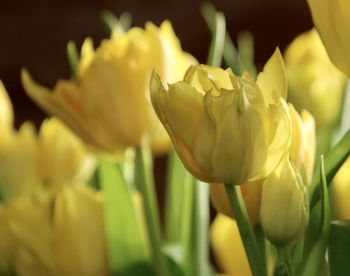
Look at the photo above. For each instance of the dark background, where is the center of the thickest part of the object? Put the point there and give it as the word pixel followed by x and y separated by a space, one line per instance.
pixel 34 33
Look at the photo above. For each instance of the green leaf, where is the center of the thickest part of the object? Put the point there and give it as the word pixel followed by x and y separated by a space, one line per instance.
pixel 144 181
pixel 339 248
pixel 316 237
pixel 177 179
pixel 126 245
pixel 174 256
pixel 333 161
pixel 230 53
pixel 73 57
pixel 217 42
pixel 246 52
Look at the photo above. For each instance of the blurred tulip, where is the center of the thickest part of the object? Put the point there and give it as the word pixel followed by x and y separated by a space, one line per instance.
pixel 108 104
pixel 226 128
pixel 63 156
pixel 332 20
pixel 284 212
pixel 228 247
pixel 340 191
pixel 68 240
pixel 315 83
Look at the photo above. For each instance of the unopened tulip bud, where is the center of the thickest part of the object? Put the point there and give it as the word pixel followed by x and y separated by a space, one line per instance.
pixel 284 212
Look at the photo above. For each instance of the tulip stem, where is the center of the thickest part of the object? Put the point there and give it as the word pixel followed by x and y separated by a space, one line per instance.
pixel 284 263
pixel 256 260
pixel 144 181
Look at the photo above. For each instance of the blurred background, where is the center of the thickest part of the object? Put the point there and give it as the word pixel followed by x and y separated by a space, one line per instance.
pixel 34 34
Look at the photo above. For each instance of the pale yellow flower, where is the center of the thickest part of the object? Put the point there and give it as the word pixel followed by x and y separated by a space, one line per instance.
pixel 226 128
pixel 284 211
pixel 108 105
pixel 315 83
pixel 332 20
pixel 64 237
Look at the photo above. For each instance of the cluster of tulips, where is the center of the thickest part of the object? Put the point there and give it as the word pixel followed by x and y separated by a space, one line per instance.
pixel 268 150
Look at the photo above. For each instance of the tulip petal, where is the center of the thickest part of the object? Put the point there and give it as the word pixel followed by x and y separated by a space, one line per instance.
pixel 181 111
pixel 6 111
pixel 332 20
pixel 273 79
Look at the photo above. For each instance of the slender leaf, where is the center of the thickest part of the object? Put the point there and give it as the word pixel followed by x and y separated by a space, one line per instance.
pixel 73 57
pixel 339 248
pixel 177 179
pixel 230 53
pixel 127 249
pixel 316 238
pixel 333 161
pixel 217 43
pixel 144 181
pixel 246 52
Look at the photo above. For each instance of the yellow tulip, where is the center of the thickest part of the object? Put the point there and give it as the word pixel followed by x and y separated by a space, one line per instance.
pixel 332 20
pixel 108 105
pixel 315 83
pixel 66 240
pixel 284 212
pixel 302 153
pixel 228 248
pixel 225 128
pixel 340 191
pixel 63 156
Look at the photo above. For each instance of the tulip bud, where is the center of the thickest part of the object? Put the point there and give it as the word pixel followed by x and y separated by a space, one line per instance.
pixel 303 147
pixel 315 83
pixel 226 128
pixel 284 209
pixel 108 105
pixel 332 20
pixel 340 191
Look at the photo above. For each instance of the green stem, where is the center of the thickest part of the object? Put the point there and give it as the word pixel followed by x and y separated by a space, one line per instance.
pixel 284 264
pixel 256 260
pixel 217 42
pixel 144 181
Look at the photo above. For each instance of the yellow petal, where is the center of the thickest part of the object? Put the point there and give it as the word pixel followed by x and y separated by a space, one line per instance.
pixel 228 247
pixel 273 79
pixel 6 112
pixel 78 233
pixel 332 20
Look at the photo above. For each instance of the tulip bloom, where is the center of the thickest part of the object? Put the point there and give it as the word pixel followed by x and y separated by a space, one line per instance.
pixel 47 159
pixel 332 20
pixel 302 153
pixel 226 128
pixel 108 104
pixel 315 84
